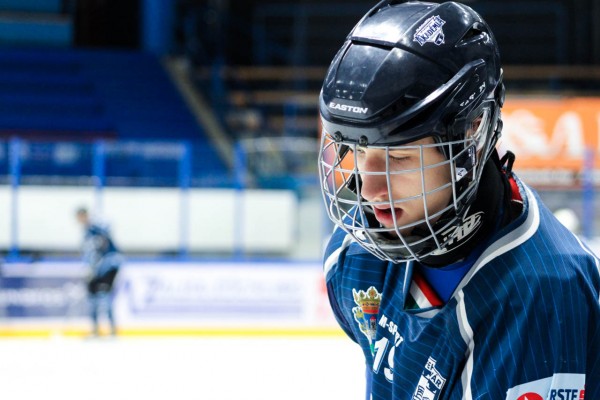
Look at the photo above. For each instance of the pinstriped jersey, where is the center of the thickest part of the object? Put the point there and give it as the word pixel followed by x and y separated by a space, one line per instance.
pixel 523 324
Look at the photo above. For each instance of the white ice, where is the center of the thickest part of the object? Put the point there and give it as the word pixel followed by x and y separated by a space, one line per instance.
pixel 223 368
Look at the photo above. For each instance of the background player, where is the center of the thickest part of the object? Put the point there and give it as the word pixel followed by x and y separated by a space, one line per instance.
pixel 448 271
pixel 104 261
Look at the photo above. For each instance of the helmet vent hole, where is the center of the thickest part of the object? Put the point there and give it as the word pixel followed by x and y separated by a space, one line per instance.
pixel 474 34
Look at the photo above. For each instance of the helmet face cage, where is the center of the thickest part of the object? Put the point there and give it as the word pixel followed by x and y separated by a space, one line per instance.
pixel 341 183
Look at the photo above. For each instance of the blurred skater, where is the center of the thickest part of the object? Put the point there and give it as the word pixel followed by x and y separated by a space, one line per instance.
pixel 104 260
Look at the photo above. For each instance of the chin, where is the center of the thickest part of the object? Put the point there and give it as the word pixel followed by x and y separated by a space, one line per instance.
pixel 389 224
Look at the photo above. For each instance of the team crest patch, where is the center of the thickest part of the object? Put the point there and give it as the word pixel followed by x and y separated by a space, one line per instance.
pixel 365 312
pixel 430 31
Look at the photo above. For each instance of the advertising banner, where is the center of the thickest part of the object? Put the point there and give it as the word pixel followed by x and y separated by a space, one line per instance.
pixel 171 297
pixel 555 140
pixel 221 295
pixel 42 291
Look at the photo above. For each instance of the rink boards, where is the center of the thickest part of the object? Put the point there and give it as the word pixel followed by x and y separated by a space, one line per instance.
pixel 171 298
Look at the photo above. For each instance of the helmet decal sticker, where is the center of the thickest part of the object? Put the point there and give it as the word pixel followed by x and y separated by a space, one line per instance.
pixel 346 107
pixel 480 90
pixel 457 234
pixel 430 31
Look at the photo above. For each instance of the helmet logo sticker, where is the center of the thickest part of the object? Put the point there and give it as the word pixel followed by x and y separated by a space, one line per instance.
pixel 430 31
pixel 457 234
pixel 465 162
pixel 480 90
pixel 346 107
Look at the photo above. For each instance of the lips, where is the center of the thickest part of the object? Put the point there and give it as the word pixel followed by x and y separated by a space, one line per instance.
pixel 385 216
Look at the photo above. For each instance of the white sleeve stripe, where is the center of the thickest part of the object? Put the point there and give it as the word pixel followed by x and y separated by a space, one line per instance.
pixel 333 257
pixel 466 333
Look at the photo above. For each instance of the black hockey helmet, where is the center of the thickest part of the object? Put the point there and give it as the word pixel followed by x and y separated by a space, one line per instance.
pixel 410 70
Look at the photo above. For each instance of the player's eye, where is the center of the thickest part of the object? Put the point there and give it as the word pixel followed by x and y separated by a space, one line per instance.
pixel 399 158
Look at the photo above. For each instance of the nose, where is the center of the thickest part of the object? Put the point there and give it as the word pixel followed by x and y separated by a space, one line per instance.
pixel 372 169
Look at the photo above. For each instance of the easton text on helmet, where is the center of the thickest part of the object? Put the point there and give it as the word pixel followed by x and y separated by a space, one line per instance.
pixel 345 107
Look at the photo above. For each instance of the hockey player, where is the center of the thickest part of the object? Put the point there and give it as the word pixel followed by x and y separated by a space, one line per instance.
pixel 103 260
pixel 448 271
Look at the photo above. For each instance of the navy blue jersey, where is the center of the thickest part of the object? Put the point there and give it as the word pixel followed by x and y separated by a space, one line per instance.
pixel 99 250
pixel 524 322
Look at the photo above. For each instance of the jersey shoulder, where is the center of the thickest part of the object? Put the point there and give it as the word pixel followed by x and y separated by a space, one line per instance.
pixel 343 255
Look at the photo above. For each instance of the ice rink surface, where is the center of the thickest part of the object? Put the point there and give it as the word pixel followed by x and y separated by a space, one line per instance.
pixel 181 368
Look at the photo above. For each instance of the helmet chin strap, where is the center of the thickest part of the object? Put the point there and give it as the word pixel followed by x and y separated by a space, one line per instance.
pixel 479 221
pixel 401 252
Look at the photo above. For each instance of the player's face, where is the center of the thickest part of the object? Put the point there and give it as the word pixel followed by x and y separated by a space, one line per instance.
pixel 82 218
pixel 424 185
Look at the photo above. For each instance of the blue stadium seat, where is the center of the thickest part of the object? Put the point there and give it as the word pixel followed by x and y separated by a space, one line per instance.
pixel 84 94
pixel 46 6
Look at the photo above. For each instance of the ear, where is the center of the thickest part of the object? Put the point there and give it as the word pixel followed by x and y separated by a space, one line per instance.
pixel 474 126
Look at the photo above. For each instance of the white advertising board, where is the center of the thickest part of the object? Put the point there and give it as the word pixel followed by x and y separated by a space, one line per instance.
pixel 173 297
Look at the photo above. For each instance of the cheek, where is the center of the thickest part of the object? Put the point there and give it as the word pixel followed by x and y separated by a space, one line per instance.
pixel 406 185
pixel 437 177
pixel 430 177
pixel 435 180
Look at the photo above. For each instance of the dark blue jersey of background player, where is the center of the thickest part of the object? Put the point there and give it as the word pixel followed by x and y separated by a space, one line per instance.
pixel 99 250
pixel 103 260
pixel 453 277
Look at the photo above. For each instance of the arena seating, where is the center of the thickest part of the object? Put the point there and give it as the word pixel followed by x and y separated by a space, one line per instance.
pixel 58 94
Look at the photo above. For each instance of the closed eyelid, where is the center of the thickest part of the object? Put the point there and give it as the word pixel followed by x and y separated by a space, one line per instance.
pixel 403 154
